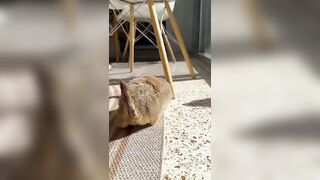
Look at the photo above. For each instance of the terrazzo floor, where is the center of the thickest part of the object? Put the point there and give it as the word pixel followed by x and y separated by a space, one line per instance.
pixel 186 148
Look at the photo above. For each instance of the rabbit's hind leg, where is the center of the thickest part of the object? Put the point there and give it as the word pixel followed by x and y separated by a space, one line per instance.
pixel 155 119
pixel 122 124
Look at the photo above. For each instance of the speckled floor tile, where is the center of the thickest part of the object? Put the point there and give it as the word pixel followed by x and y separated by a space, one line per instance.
pixel 186 148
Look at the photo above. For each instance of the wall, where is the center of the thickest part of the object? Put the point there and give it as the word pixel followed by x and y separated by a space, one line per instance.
pixel 184 13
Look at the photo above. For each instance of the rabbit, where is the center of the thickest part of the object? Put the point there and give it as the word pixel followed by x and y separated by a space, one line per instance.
pixel 142 101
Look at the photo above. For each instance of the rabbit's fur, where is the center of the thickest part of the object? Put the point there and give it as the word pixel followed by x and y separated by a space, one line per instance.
pixel 142 101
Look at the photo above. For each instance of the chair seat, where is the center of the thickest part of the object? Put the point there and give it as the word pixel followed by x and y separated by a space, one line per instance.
pixel 142 12
pixel 140 1
pixel 117 4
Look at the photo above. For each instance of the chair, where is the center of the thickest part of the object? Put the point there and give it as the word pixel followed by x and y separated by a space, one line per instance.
pixel 115 6
pixel 141 14
pixel 135 11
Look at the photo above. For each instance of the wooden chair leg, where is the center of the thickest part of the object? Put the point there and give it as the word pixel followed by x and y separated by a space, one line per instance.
pixel 131 38
pixel 166 40
pixel 116 40
pixel 160 44
pixel 255 17
pixel 125 50
pixel 180 40
pixel 69 8
pixel 128 42
pixel 124 53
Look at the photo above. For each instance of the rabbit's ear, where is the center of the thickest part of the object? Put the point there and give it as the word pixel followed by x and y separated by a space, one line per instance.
pixel 123 86
pixel 128 99
pixel 131 107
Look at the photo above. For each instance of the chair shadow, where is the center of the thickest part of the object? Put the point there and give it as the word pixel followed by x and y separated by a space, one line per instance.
pixel 176 78
pixel 119 73
pixel 290 129
pixel 124 132
pixel 199 103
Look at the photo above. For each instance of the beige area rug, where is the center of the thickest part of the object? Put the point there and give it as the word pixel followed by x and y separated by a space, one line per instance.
pixel 134 152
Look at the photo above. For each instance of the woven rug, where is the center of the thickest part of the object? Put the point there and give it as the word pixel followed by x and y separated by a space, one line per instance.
pixel 134 152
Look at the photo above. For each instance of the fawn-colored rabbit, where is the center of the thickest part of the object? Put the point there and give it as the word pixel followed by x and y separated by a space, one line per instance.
pixel 142 101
